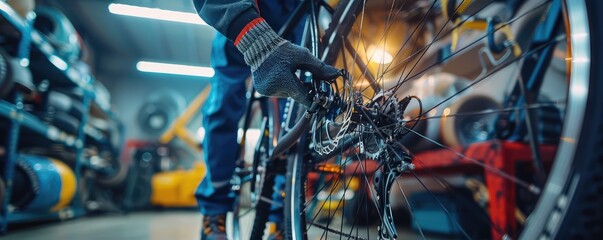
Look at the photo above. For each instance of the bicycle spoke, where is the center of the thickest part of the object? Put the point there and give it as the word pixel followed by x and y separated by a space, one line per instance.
pixel 408 77
pixel 364 197
pixel 320 209
pixel 373 194
pixel 334 231
pixel 360 31
pixel 529 187
pixel 441 205
pixel 495 70
pixel 488 112
pixel 316 194
pixel 420 50
pixel 342 200
pixel 447 187
pixel 483 112
pixel 344 180
pixel 417 38
pixel 402 80
pixel 372 81
pixel 324 202
pixel 424 49
pixel 378 124
pixel 412 215
pixel 536 156
pixel 364 67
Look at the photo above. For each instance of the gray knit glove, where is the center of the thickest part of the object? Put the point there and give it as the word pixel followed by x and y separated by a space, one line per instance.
pixel 273 63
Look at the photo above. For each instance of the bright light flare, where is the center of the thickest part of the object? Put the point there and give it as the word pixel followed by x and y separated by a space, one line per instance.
pixel 446 112
pixel 379 55
pixel 176 69
pixel 155 13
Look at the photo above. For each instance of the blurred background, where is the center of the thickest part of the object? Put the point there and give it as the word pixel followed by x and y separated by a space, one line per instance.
pixel 95 84
pixel 100 119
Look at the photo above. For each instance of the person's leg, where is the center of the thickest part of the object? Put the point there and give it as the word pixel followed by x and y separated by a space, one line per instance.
pixel 224 108
pixel 221 114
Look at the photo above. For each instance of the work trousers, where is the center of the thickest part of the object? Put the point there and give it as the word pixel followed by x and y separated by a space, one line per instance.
pixel 225 106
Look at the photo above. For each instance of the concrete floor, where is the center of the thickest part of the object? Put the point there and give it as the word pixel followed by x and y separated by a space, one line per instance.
pixel 136 226
pixel 162 225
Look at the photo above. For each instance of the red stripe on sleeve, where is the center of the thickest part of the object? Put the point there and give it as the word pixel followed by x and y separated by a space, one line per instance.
pixel 245 29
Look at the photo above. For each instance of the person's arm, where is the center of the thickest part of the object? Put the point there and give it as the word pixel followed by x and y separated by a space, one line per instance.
pixel 229 17
pixel 273 60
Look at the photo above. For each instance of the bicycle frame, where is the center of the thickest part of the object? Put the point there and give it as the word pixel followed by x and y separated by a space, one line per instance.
pixel 527 92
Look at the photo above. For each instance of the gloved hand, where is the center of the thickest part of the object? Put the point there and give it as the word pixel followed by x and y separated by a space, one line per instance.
pixel 273 63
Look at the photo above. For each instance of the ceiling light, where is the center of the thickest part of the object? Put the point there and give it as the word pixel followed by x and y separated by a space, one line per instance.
pixel 378 55
pixel 58 62
pixel 177 69
pixel 155 13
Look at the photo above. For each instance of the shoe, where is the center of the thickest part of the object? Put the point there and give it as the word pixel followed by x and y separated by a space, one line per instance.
pixel 214 228
pixel 275 231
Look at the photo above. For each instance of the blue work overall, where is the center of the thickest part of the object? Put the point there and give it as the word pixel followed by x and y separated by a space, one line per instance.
pixel 225 107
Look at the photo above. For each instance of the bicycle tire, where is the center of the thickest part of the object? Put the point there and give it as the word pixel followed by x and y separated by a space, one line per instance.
pixel 570 205
pixel 262 212
pixel 582 216
pixel 260 207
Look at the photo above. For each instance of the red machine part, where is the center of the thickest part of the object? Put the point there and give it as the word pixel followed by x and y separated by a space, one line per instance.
pixel 497 160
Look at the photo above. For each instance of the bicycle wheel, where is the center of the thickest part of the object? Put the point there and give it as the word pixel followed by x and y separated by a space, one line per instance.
pixel 254 176
pixel 525 173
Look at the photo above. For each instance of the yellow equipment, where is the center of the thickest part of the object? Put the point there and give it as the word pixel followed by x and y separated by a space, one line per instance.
pixel 178 127
pixel 68 184
pixel 177 188
pixel 451 11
